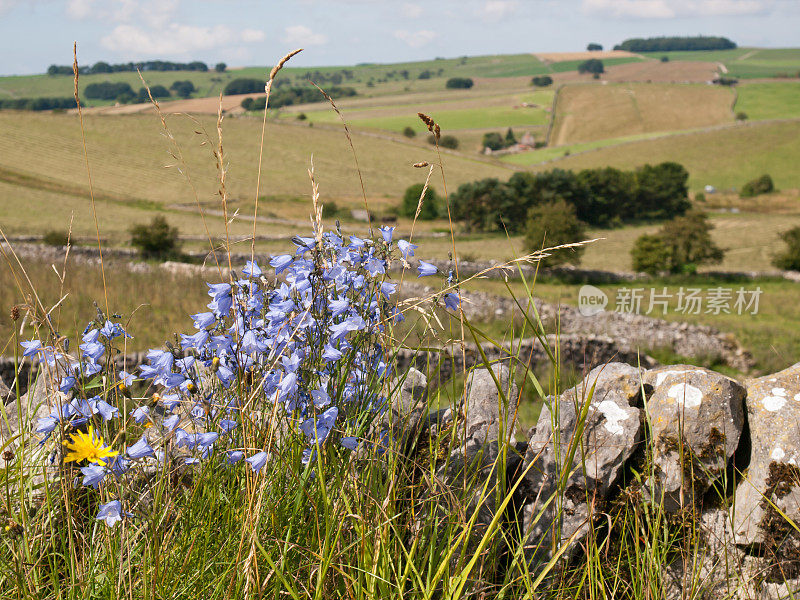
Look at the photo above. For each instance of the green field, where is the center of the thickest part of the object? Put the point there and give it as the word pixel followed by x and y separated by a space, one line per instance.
pixel 746 63
pixel 725 158
pixel 769 100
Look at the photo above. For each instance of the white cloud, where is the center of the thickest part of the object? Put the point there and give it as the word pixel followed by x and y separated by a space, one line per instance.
pixel 670 9
pixel 80 9
pixel 415 39
pixel 249 36
pixel 300 35
pixel 411 11
pixel 174 39
pixel 498 9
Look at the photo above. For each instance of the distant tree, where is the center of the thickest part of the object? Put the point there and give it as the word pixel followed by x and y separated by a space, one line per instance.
pixel 542 80
pixel 761 185
pixel 430 203
pixel 681 246
pixel 301 117
pixel 220 67
pixel 665 58
pixel 184 89
pixel 510 139
pixel 662 191
pixel 481 205
pixel 609 198
pixel 409 132
pixel 726 81
pixel 56 238
pixel 464 83
pixel 155 240
pixel 741 116
pixel 552 224
pixel 126 98
pixel 789 258
pixel 593 47
pixel 650 254
pixel 593 65
pixel 157 91
pixel 426 74
pixel 101 67
pixel 493 141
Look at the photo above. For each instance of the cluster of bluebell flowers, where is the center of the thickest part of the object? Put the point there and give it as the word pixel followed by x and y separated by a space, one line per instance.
pixel 307 344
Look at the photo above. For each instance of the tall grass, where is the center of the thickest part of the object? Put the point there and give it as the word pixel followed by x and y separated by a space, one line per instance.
pixel 402 519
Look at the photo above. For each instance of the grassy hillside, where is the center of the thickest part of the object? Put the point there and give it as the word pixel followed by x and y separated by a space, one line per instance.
pixel 726 157
pixel 41 163
pixel 595 112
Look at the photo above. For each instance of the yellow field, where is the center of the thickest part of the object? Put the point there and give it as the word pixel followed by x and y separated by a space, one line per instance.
pixel 594 112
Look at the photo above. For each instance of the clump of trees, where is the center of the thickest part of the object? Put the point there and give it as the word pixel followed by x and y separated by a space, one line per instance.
pixel 220 67
pixel 594 47
pixel 789 258
pixel 291 96
pixel 672 44
pixel 156 239
pixel 150 65
pixel 431 203
pixel 680 246
pixel 603 197
pixel 495 141
pixel 108 90
pixel 459 83
pixel 542 80
pixel 409 132
pixel 593 66
pixel 552 224
pixel 758 186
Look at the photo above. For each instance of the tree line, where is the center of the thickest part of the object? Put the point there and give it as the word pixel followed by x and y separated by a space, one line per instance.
pixel 603 197
pixel 123 93
pixel 673 44
pixel 286 96
pixel 150 65
pixel 37 103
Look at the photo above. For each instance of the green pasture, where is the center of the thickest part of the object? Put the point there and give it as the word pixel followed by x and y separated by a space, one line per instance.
pixel 759 101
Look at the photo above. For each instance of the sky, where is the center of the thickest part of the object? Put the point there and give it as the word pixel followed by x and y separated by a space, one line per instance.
pixel 37 33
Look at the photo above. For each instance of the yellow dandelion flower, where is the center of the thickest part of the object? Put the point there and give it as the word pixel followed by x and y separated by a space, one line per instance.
pixel 89 447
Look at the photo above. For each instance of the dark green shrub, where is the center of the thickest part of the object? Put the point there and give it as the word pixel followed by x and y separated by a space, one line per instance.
pixel 789 259
pixel 741 116
pixel 446 141
pixel 244 85
pixel 430 203
pixel 493 141
pixel 301 117
pixel 56 238
pixel 762 185
pixel 650 254
pixel 184 89
pixel 459 83
pixel 593 65
pixel 680 246
pixel 542 81
pixel 665 58
pixel 553 224
pixel 330 210
pixel 409 132
pixel 594 47
pixel 156 240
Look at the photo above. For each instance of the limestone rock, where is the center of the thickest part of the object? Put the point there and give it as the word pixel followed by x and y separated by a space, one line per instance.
pixel 697 419
pixel 610 434
pixel 489 411
pixel 773 476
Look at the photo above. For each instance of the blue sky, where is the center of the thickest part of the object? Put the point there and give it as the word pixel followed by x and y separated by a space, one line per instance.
pixel 37 33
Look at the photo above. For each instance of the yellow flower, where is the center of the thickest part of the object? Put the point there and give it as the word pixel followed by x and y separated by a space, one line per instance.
pixel 89 447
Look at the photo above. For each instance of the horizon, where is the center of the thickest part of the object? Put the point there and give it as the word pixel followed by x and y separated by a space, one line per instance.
pixel 241 33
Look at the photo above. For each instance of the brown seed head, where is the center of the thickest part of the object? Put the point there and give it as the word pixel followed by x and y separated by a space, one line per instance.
pixel 420 165
pixel 427 120
pixel 436 131
pixel 15 313
pixel 8 455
